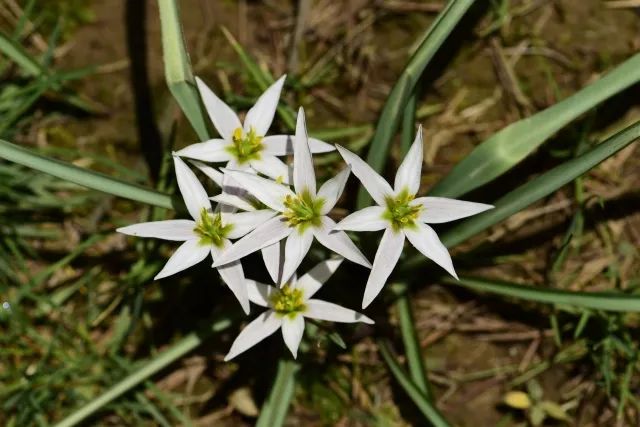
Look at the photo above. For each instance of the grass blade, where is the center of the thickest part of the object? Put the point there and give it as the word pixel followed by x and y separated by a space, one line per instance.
pixel 421 401
pixel 84 177
pixel 394 107
pixel 508 147
pixel 275 408
pixel 15 52
pixel 608 301
pixel 177 68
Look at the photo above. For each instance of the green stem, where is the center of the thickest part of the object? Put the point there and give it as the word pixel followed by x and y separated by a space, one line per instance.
pixel 275 408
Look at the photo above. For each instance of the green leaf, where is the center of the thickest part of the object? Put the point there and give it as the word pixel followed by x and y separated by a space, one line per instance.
pixel 177 68
pixel 275 408
pixel 15 52
pixel 508 147
pixel 394 107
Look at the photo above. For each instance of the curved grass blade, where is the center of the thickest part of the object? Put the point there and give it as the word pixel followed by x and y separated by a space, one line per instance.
pixel 275 408
pixel 394 107
pixel 15 52
pixel 508 147
pixel 86 178
pixel 608 301
pixel 421 401
pixel 177 68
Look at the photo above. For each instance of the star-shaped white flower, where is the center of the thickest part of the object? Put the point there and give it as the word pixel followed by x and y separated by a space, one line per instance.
pixel 208 233
pixel 288 306
pixel 400 214
pixel 300 215
pixel 247 147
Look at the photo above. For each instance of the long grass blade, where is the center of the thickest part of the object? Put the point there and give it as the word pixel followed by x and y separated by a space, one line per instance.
pixel 508 147
pixel 15 52
pixel 274 410
pixel 86 178
pixel 394 107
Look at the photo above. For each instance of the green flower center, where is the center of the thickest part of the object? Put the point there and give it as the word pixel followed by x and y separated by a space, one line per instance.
pixel 302 210
pixel 288 301
pixel 246 146
pixel 399 212
pixel 210 229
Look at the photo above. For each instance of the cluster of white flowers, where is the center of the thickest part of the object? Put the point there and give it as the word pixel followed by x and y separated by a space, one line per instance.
pixel 276 208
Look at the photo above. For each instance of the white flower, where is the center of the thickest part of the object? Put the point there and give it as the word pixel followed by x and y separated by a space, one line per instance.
pixel 208 233
pixel 288 306
pixel 247 147
pixel 301 215
pixel 402 215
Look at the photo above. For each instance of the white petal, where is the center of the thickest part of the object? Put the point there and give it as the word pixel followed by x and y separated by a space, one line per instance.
pixel 174 229
pixel 188 254
pixel 267 234
pixel 244 222
pixel 215 175
pixel 295 249
pixel 425 239
pixel 235 201
pixel 339 242
pixel 375 185
pixel 261 114
pixel 273 256
pixel 410 171
pixel 214 150
pixel 224 119
pixel 274 168
pixel 440 209
pixel 233 275
pixel 259 293
pixel 332 190
pixel 367 219
pixel 313 279
pixel 304 177
pixel 263 326
pixel 323 310
pixel 193 193
pixel 386 258
pixel 268 192
pixel 292 331
pixel 281 145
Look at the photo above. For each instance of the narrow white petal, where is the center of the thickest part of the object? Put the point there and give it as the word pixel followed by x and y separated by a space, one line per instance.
pixel 263 326
pixel 292 331
pixel 375 185
pixel 425 239
pixel 188 254
pixel 174 229
pixel 267 234
pixel 410 171
pixel 339 242
pixel 268 192
pixel 259 293
pixel 367 219
pixel 323 310
pixel 304 177
pixel 214 174
pixel 313 279
pixel 261 114
pixel 273 257
pixel 233 275
pixel 235 201
pixel 386 258
pixel 224 119
pixel 194 195
pixel 332 190
pixel 295 249
pixel 214 150
pixel 244 222
pixel 274 168
pixel 281 145
pixel 440 209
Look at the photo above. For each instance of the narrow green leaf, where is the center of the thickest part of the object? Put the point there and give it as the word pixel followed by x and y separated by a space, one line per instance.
pixel 15 52
pixel 274 410
pixel 394 107
pixel 420 400
pixel 86 178
pixel 608 301
pixel 177 68
pixel 508 147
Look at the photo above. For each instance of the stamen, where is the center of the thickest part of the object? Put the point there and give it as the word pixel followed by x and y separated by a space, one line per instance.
pixel 303 210
pixel 399 212
pixel 245 146
pixel 210 229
